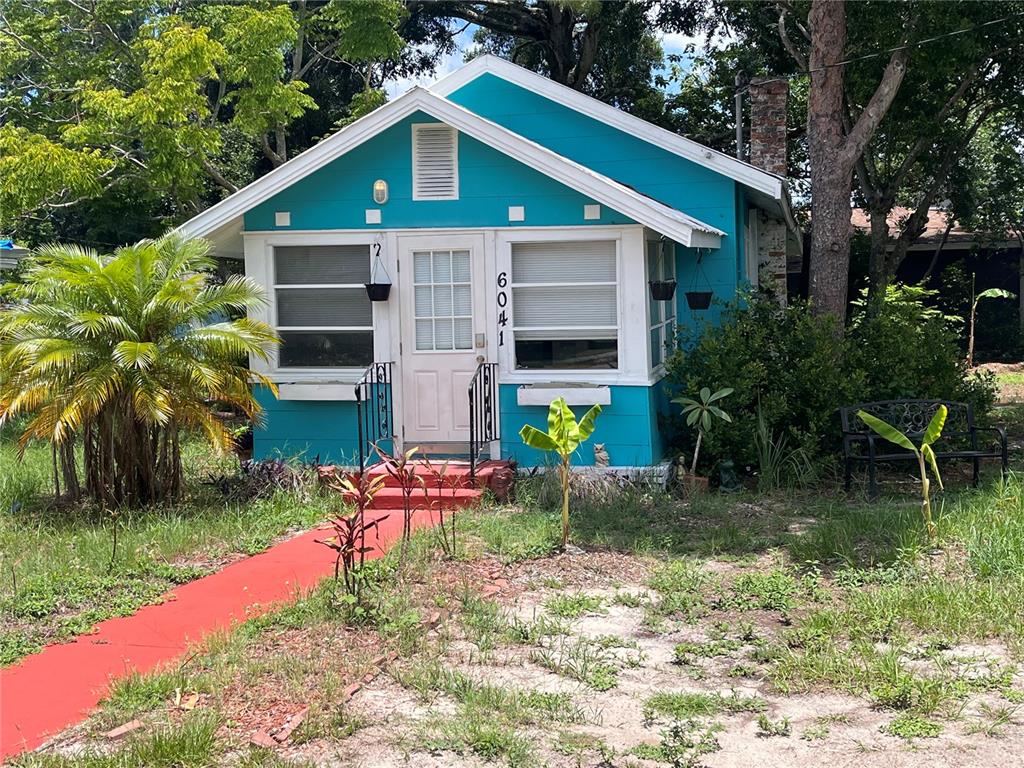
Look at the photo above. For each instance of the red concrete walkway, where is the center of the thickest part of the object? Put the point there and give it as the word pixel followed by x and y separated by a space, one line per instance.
pixel 58 687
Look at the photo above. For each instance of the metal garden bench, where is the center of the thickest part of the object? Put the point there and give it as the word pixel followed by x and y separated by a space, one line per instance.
pixel 961 438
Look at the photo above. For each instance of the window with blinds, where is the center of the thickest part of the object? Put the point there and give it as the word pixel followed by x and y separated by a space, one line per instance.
pixel 661 265
pixel 565 305
pixel 435 166
pixel 324 316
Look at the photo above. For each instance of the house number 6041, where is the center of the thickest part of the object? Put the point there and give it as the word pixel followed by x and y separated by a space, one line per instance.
pixel 502 303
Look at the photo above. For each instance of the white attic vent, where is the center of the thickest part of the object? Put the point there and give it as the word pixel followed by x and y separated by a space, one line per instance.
pixel 435 166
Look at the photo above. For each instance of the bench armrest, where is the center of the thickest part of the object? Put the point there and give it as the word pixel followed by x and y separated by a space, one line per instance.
pixel 998 431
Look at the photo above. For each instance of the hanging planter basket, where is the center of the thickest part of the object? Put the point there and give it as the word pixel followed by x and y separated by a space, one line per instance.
pixel 379 287
pixel 378 291
pixel 663 290
pixel 698 299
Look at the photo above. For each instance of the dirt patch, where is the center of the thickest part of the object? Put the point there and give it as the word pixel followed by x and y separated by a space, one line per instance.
pixel 572 661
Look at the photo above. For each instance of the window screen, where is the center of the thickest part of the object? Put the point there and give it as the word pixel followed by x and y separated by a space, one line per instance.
pixel 565 304
pixel 324 316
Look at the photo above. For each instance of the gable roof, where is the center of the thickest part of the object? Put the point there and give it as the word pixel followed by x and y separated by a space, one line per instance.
pixel 749 175
pixel 770 190
pixel 627 201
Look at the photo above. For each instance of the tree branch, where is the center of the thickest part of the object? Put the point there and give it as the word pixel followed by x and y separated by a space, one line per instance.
pixel 858 137
pixel 799 58
pixel 217 176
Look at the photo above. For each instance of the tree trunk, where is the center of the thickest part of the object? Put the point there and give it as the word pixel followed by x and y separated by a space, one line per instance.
pixel 831 174
pixel 878 268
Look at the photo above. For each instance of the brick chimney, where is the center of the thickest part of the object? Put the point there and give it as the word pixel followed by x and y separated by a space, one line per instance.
pixel 768 97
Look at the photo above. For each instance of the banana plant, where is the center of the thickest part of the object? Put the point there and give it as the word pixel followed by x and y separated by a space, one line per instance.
pixel 699 414
pixel 563 437
pixel 925 456
pixel 990 293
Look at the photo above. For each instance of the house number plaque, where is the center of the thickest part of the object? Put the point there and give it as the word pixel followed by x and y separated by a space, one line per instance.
pixel 502 307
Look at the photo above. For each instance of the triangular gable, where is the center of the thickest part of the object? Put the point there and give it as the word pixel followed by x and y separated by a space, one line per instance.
pixel 665 220
pixel 756 179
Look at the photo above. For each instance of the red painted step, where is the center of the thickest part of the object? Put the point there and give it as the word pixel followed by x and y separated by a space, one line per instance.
pixel 455 474
pixel 391 498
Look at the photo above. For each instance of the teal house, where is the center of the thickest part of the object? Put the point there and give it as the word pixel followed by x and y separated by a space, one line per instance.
pixel 442 268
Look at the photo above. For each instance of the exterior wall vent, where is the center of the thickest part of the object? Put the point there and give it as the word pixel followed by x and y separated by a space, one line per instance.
pixel 435 164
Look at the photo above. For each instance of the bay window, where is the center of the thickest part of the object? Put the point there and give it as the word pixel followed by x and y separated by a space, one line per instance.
pixel 324 316
pixel 565 305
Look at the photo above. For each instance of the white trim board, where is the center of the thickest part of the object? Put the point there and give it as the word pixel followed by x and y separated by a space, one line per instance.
pixel 738 170
pixel 675 224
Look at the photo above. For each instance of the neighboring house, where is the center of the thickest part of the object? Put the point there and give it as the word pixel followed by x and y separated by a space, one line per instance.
pixel 521 223
pixel 10 254
pixel 996 263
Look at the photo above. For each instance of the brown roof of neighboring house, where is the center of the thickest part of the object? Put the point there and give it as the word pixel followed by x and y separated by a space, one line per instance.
pixel 933 230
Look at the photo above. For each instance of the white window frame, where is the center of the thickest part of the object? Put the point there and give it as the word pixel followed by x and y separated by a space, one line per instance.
pixel 416 128
pixel 260 265
pixel 665 255
pixel 633 368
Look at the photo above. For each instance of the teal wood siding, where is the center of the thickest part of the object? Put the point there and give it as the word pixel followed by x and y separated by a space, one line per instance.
pixel 628 428
pixel 307 430
pixel 701 192
pixel 337 195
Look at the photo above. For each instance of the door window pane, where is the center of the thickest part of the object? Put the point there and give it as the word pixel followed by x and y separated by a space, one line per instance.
pixel 442 282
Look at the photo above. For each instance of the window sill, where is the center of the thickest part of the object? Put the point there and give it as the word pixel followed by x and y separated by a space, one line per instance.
pixel 334 391
pixel 574 394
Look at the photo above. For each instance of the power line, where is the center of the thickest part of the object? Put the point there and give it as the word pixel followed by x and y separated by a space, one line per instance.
pixel 887 51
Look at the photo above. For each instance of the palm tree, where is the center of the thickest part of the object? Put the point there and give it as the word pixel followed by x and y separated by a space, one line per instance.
pixel 125 353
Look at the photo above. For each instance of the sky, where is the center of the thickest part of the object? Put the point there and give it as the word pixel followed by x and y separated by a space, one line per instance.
pixel 671 43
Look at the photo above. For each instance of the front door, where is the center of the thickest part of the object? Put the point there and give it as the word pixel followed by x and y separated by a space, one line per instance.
pixel 441 283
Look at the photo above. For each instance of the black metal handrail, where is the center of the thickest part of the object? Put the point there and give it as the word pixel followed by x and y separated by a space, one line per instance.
pixel 375 414
pixel 484 421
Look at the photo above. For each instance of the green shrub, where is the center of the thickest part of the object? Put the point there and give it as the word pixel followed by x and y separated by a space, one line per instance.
pixel 802 371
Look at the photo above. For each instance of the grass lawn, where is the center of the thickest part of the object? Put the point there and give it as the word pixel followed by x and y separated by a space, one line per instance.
pixel 795 630
pixel 59 575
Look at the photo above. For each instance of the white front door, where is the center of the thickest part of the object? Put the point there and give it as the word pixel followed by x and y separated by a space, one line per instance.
pixel 441 295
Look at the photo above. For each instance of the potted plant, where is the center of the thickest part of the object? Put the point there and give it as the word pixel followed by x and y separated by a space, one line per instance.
pixel 698 299
pixel 701 413
pixel 663 290
pixel 379 287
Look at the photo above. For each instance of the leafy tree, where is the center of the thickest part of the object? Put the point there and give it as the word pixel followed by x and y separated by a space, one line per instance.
pixel 609 50
pixel 125 353
pixel 895 91
pixel 157 98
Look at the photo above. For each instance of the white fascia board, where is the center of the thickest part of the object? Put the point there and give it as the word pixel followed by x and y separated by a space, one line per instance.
pixel 738 170
pixel 668 221
pixel 300 166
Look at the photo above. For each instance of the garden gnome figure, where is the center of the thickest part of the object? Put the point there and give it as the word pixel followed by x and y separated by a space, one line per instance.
pixel 728 480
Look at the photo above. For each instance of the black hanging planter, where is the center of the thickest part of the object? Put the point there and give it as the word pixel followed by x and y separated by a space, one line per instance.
pixel 698 299
pixel 663 290
pixel 378 291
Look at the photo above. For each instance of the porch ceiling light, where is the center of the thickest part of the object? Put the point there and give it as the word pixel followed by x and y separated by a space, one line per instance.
pixel 380 191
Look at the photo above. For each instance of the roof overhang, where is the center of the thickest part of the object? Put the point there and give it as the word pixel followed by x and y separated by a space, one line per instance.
pixel 224 216
pixel 760 181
